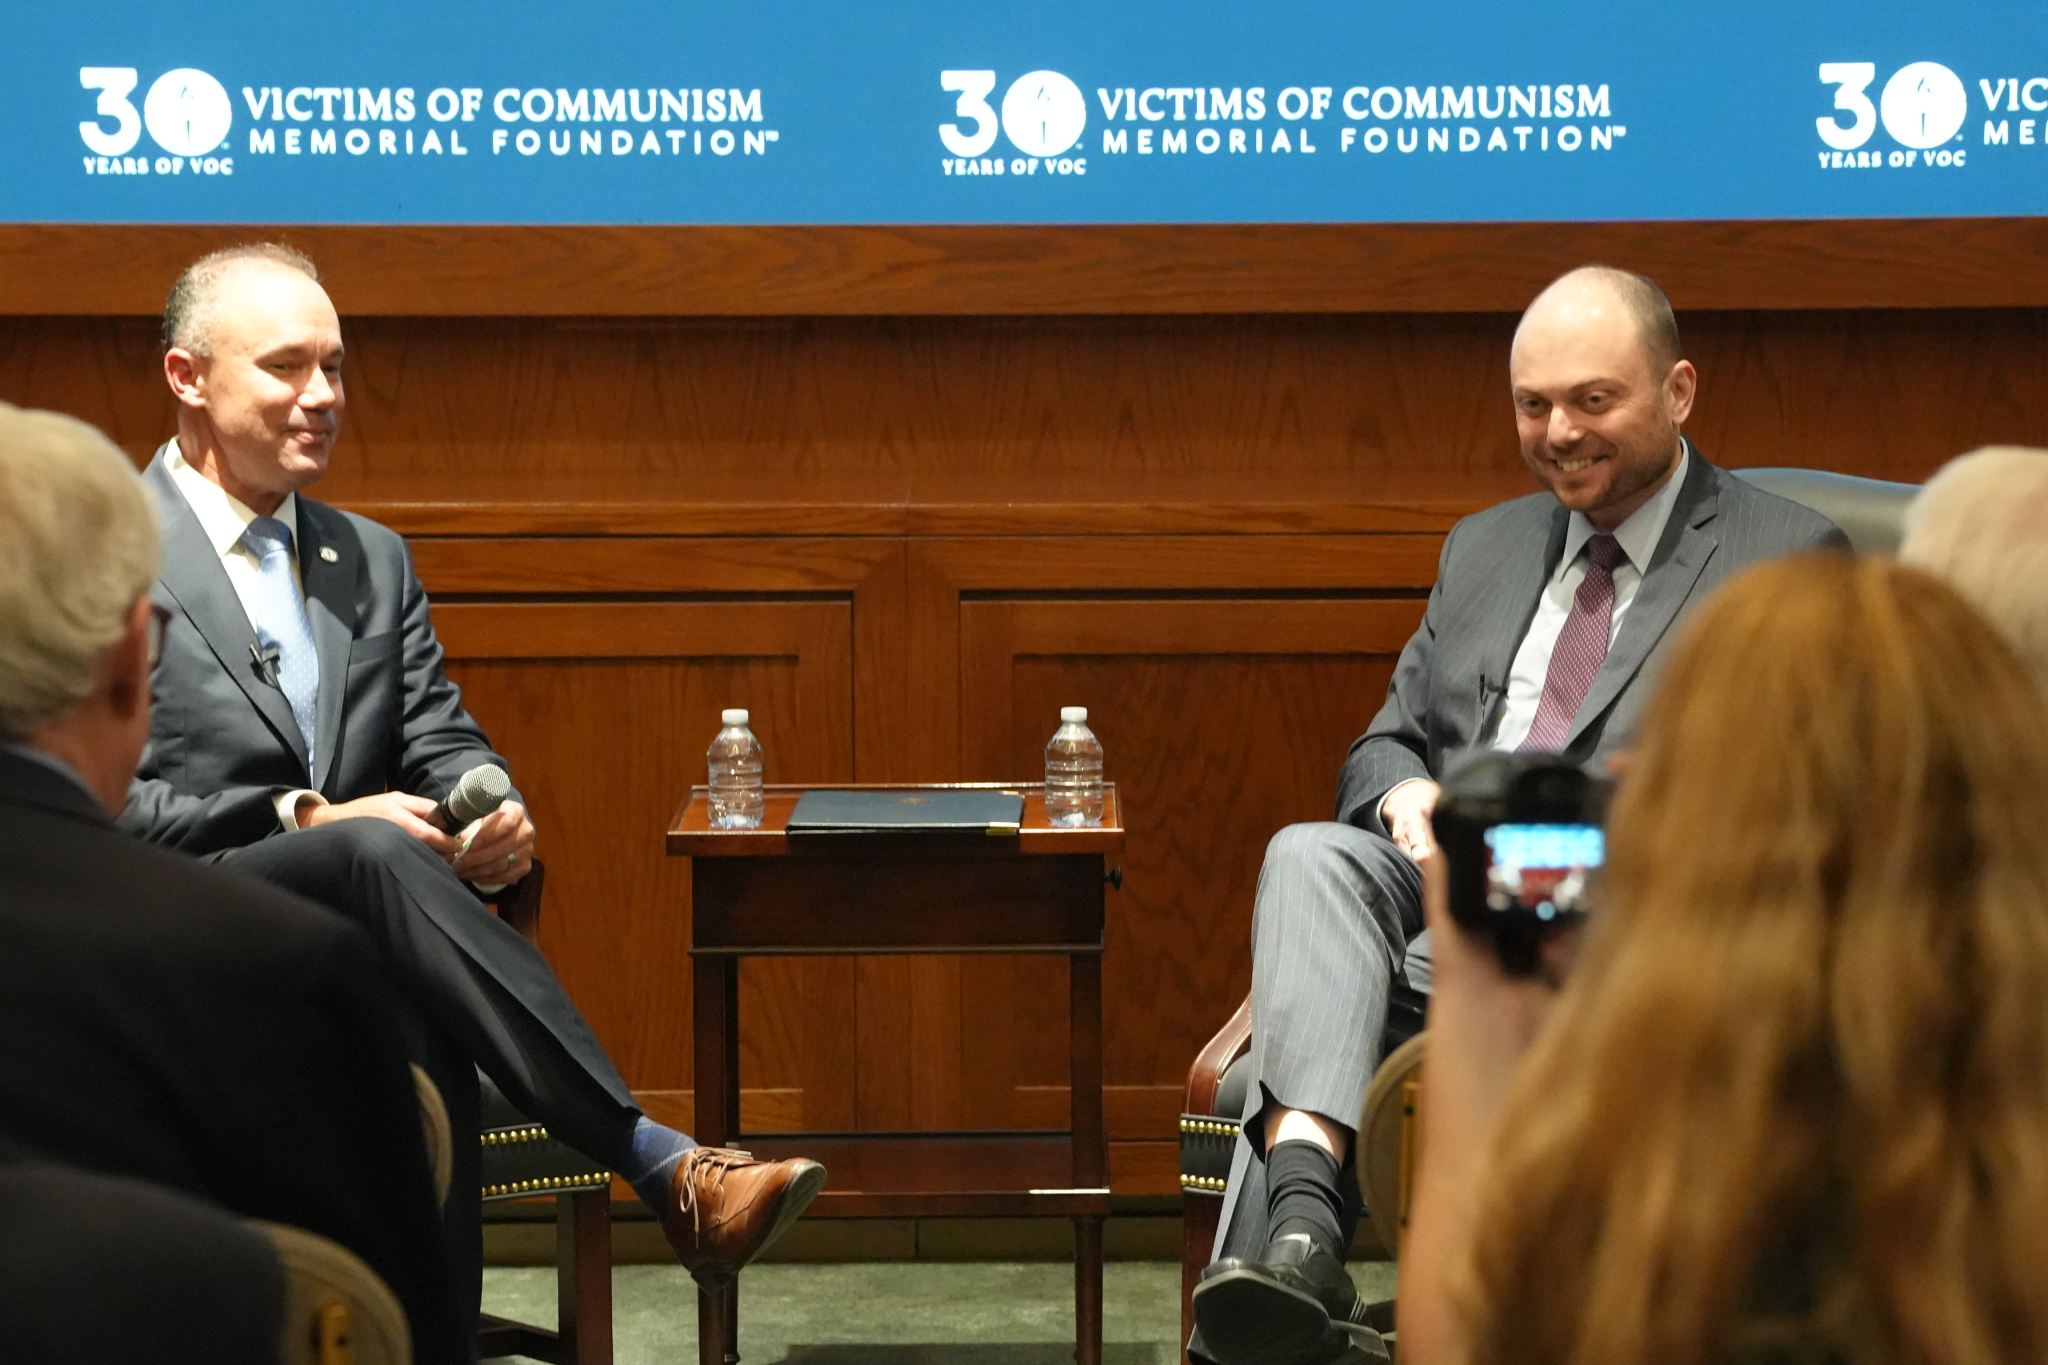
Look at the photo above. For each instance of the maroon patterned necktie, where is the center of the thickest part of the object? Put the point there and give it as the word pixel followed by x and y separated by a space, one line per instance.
pixel 1581 647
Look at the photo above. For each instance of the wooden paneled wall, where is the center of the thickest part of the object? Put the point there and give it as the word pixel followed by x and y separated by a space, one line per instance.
pixel 905 492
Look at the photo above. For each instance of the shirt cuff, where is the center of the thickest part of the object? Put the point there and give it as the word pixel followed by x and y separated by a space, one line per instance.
pixel 1381 809
pixel 288 806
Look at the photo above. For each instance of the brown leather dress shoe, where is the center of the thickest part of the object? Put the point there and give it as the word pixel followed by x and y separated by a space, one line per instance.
pixel 725 1208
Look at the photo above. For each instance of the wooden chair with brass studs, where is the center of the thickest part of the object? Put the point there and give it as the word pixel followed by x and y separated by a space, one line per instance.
pixel 520 1160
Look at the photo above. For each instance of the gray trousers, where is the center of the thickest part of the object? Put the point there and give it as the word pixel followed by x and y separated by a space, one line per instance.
pixel 1334 945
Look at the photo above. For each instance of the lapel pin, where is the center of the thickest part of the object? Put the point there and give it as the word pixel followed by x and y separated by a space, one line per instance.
pixel 327 553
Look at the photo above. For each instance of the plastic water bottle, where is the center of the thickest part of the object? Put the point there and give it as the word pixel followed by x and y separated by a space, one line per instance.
pixel 735 773
pixel 1073 771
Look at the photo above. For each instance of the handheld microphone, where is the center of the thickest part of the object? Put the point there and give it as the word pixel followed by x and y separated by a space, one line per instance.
pixel 477 793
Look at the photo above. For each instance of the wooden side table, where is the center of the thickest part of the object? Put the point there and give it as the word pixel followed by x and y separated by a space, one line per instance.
pixel 1040 891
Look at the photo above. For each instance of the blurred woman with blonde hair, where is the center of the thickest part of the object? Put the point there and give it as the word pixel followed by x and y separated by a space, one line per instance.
pixel 1791 1103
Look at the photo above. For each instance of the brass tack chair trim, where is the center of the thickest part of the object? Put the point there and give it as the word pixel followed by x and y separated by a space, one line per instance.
pixel 1202 1182
pixel 1208 1127
pixel 508 1137
pixel 549 1184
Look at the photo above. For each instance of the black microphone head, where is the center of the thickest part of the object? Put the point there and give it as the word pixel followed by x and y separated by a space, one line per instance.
pixel 480 791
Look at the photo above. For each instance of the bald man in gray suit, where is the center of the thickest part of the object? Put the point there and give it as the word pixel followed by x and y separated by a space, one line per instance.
pixel 1547 613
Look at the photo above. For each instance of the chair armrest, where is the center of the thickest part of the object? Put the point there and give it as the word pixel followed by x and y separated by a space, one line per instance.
pixel 1207 1137
pixel 1231 1042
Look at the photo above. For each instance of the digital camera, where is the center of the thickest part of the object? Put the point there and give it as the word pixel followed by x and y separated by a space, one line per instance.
pixel 1523 848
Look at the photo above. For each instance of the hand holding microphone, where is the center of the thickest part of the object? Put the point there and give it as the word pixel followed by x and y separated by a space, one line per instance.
pixel 499 847
pixel 476 794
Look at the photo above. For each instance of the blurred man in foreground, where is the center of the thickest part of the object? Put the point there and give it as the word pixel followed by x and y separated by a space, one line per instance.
pixel 164 1019
pixel 1981 523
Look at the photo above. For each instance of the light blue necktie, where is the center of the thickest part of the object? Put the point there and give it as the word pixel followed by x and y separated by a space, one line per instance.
pixel 281 623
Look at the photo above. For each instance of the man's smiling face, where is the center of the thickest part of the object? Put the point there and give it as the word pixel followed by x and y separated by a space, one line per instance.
pixel 1598 422
pixel 269 382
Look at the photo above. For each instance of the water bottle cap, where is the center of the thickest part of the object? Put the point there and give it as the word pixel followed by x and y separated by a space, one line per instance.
pixel 733 715
pixel 1073 715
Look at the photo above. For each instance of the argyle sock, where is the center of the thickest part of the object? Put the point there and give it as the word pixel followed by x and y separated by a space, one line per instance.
pixel 1301 1195
pixel 657 1151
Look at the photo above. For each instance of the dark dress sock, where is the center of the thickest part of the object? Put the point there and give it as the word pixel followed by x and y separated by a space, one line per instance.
pixel 1302 1196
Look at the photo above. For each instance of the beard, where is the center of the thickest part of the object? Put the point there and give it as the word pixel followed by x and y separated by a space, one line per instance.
pixel 1630 467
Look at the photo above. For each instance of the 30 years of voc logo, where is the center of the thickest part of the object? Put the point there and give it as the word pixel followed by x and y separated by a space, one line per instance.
pixel 1923 108
pixel 187 112
pixel 1043 116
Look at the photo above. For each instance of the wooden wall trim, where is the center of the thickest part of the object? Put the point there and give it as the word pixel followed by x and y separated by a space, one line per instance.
pixel 814 634
pixel 452 568
pixel 1429 514
pixel 116 270
pixel 943 573
pixel 868 573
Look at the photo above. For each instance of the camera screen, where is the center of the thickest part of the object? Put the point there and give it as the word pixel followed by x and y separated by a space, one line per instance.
pixel 1542 870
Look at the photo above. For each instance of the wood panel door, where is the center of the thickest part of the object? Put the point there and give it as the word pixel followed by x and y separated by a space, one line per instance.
pixel 604 709
pixel 1222 721
pixel 1226 675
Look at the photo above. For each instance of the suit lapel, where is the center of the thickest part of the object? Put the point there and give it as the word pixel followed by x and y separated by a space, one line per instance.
pixel 193 576
pixel 329 576
pixel 1524 568
pixel 1688 542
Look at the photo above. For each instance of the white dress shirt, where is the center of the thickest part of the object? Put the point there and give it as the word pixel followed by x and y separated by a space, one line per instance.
pixel 1638 538
pixel 225 518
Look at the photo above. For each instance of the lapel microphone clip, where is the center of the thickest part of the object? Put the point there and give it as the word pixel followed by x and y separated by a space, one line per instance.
pixel 264 657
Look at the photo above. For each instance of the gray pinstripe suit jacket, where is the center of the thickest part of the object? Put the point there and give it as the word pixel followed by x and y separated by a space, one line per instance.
pixel 1451 679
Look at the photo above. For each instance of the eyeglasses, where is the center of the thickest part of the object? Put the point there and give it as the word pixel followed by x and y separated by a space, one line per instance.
pixel 159 617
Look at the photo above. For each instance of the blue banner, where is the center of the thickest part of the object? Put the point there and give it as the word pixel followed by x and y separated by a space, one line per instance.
pixel 802 112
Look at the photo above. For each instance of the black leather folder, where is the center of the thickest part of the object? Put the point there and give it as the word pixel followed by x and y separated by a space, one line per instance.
pixel 907 812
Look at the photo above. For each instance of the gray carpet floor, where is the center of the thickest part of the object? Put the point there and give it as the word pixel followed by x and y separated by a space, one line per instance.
pixel 889 1313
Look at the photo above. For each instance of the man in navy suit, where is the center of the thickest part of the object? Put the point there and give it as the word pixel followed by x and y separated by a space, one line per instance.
pixel 1547 614
pixel 305 729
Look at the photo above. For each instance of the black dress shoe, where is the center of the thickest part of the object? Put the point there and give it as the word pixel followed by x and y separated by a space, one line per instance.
pixel 1296 1306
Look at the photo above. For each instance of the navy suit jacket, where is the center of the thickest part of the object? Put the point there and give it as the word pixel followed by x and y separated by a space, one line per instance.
pixel 223 745
pixel 174 1022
